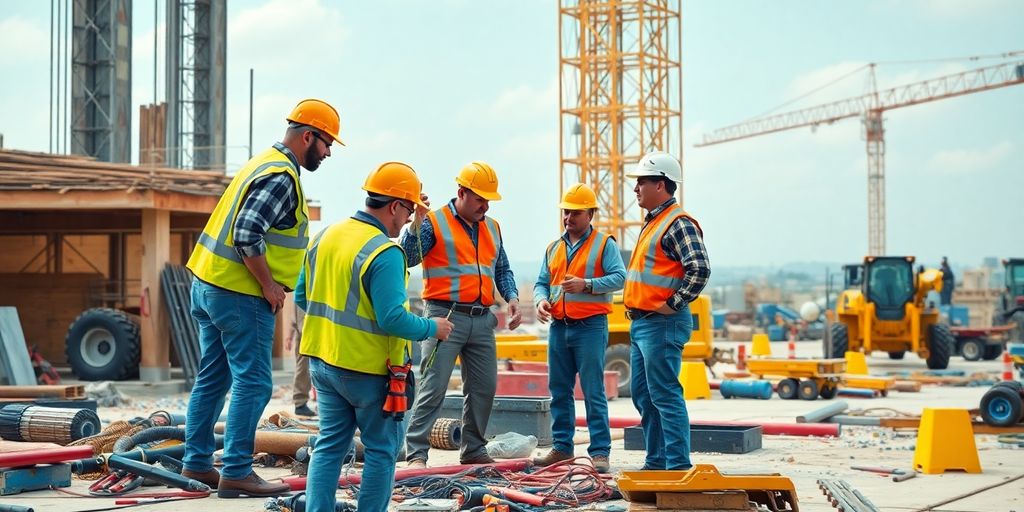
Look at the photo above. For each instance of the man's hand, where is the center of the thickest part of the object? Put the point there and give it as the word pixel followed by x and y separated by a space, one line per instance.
pixel 444 327
pixel 421 212
pixel 573 284
pixel 515 315
pixel 274 293
pixel 544 311
pixel 664 309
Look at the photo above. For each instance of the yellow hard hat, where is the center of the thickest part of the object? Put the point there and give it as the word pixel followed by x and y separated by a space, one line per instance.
pixel 578 197
pixel 395 179
pixel 480 178
pixel 318 114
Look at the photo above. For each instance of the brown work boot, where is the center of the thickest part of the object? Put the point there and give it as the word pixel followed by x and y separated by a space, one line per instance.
pixel 483 458
pixel 210 478
pixel 552 457
pixel 416 464
pixel 251 486
pixel 600 463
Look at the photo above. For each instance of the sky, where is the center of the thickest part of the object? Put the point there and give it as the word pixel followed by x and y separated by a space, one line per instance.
pixel 440 83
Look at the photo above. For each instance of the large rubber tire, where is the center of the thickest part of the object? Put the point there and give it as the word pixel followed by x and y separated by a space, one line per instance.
pixel 808 390
pixel 897 354
pixel 972 349
pixel 787 388
pixel 103 344
pixel 616 359
pixel 840 340
pixel 1001 406
pixel 940 347
pixel 829 391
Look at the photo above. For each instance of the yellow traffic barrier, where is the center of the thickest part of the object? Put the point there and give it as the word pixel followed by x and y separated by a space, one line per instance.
pixel 762 347
pixel 856 363
pixel 694 380
pixel 945 441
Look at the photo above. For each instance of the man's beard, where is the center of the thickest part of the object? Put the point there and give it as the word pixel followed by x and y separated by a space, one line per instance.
pixel 312 158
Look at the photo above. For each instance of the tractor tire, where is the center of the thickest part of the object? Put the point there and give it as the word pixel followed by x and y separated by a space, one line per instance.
pixel 1001 406
pixel 940 347
pixel 103 344
pixel 616 359
pixel 972 349
pixel 840 340
pixel 992 352
pixel 897 354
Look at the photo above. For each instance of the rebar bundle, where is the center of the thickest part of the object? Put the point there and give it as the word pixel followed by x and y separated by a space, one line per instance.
pixel 20 422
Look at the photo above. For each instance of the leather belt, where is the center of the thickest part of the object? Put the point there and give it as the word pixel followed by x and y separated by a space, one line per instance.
pixel 638 314
pixel 465 309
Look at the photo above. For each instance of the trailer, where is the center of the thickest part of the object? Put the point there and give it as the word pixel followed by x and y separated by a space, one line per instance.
pixel 976 343
pixel 804 378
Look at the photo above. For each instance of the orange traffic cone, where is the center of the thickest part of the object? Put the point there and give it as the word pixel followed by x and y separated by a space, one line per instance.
pixel 792 349
pixel 741 357
pixel 1007 366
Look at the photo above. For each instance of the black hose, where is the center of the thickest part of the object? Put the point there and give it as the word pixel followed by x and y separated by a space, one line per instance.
pixel 148 435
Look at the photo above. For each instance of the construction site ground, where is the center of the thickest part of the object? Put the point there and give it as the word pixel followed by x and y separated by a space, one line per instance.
pixel 803 459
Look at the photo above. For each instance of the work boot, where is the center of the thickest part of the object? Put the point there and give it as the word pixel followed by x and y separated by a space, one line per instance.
pixel 304 410
pixel 416 464
pixel 483 458
pixel 600 463
pixel 552 457
pixel 210 478
pixel 251 486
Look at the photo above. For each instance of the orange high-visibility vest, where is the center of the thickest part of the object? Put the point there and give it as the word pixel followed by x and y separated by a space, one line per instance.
pixel 587 264
pixel 651 277
pixel 455 269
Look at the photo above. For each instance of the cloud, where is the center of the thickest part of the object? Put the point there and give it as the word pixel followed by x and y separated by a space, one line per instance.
pixel 273 33
pixel 523 102
pixel 971 160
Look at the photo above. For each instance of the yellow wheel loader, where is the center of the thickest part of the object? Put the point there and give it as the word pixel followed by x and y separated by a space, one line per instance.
pixel 890 313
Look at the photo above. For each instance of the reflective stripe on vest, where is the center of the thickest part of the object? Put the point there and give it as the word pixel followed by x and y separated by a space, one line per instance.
pixel 651 277
pixel 341 327
pixel 215 259
pixel 588 264
pixel 455 269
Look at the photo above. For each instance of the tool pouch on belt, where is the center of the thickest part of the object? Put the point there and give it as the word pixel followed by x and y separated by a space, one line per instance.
pixel 396 402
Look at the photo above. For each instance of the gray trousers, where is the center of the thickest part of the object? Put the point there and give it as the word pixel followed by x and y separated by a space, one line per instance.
pixel 472 341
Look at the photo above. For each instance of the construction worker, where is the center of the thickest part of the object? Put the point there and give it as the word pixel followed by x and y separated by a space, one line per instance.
pixel 464 261
pixel 574 290
pixel 356 333
pixel 246 259
pixel 300 380
pixel 666 272
pixel 948 283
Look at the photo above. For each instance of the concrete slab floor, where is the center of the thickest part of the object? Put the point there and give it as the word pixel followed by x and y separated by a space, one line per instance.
pixel 804 460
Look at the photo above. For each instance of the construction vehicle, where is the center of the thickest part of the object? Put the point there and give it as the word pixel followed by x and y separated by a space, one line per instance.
pixel 804 378
pixel 889 313
pixel 1011 303
pixel 1003 404
pixel 700 347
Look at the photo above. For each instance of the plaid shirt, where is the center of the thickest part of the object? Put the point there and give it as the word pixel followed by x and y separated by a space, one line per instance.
pixel 270 201
pixel 683 243
pixel 504 279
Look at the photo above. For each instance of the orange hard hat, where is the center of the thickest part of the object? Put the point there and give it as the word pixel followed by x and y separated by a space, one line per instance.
pixel 578 197
pixel 395 179
pixel 318 114
pixel 481 179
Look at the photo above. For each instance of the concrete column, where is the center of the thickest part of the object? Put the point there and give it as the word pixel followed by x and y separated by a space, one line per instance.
pixel 156 334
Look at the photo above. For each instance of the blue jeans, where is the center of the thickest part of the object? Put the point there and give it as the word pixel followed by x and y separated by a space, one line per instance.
pixel 346 400
pixel 656 354
pixel 236 332
pixel 578 346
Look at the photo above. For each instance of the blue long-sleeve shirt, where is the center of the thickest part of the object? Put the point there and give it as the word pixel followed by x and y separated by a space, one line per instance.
pixel 611 262
pixel 385 281
pixel 415 249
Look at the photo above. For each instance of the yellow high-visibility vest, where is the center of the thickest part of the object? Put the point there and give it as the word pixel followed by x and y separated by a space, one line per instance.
pixel 215 259
pixel 341 327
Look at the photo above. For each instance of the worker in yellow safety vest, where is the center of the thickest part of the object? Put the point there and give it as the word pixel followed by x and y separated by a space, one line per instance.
pixel 574 290
pixel 247 257
pixel 355 335
pixel 667 271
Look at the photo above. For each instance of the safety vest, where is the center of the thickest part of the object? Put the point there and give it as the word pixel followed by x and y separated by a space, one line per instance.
pixel 215 259
pixel 652 277
pixel 341 328
pixel 586 264
pixel 455 269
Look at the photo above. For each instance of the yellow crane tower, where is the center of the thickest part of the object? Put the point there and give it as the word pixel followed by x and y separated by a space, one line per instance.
pixel 620 85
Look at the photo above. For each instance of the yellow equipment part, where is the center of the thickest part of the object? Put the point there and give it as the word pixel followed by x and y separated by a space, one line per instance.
pixel 530 349
pixel 796 368
pixel 773 490
pixel 883 384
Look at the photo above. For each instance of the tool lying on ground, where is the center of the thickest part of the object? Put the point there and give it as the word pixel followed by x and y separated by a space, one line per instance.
pixel 773 491
pixel 898 475
pixel 845 498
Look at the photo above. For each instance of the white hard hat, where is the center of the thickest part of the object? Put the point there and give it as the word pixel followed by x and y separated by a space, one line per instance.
pixel 658 163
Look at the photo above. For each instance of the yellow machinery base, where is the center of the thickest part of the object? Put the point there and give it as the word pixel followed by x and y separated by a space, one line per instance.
pixel 773 491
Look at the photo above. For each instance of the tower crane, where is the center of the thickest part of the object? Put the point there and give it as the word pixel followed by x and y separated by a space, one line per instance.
pixel 870 108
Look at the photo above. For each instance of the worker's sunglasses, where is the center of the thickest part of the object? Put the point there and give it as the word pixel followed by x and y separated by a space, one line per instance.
pixel 411 209
pixel 321 138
